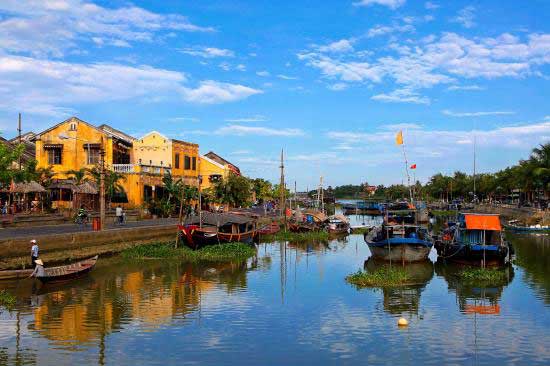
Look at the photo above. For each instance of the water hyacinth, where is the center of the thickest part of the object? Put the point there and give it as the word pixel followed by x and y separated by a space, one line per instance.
pixel 213 253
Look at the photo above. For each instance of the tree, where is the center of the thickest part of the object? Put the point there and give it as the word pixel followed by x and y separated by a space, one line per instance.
pixel 79 176
pixel 235 190
pixel 8 157
pixel 263 189
pixel 111 181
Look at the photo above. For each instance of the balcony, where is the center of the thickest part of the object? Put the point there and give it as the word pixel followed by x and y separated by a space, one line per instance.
pixel 124 168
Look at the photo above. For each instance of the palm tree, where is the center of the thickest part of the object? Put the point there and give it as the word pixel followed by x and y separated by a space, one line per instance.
pixel 111 181
pixel 79 176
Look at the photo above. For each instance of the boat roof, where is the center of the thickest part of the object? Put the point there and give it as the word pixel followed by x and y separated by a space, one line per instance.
pixel 475 221
pixel 218 219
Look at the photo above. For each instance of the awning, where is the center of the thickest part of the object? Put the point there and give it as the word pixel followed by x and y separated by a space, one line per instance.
pixel 482 222
pixel 53 146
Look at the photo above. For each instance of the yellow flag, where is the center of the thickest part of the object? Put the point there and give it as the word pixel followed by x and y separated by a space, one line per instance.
pixel 399 138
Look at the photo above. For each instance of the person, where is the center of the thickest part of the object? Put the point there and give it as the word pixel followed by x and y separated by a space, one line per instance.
pixel 34 252
pixel 38 269
pixel 82 215
pixel 119 214
pixel 5 208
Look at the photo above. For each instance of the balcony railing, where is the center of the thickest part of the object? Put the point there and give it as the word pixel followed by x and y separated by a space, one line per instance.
pixel 124 168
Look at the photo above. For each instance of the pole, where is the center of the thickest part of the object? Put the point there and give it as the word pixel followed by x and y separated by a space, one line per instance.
pixel 282 200
pixel 474 167
pixel 102 188
pixel 200 202
pixel 19 132
pixel 407 170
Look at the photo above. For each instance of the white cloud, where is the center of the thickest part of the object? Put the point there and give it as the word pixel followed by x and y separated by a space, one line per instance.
pixel 286 77
pixel 465 17
pixel 380 30
pixel 338 86
pixel 343 45
pixel 401 96
pixel 392 4
pixel 240 130
pixel 263 73
pixel 256 118
pixel 208 52
pixel 48 87
pixel 465 87
pixel 36 27
pixel 476 114
pixel 431 5
pixel 240 67
pixel 183 119
pixel 212 92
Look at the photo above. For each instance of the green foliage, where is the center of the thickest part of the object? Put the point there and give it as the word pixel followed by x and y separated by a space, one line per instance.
pixel 485 275
pixel 235 191
pixel 263 189
pixel 297 237
pixel 7 300
pixel 8 159
pixel 211 253
pixel 384 276
pixel 112 181
pixel 79 176
pixel 176 193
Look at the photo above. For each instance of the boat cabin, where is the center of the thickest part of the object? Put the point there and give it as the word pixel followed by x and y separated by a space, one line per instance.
pixel 227 223
pixel 480 229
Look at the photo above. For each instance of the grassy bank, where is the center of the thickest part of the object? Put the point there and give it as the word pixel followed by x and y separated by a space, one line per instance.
pixel 297 237
pixel 385 276
pixel 7 300
pixel 362 230
pixel 444 213
pixel 488 275
pixel 212 253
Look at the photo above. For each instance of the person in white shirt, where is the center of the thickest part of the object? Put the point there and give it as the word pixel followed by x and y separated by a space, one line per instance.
pixel 34 252
pixel 119 214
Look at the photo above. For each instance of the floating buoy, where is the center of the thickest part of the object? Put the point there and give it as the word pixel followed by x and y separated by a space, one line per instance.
pixel 402 322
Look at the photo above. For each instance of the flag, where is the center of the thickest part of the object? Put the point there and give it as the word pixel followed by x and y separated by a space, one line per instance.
pixel 399 138
pixel 413 166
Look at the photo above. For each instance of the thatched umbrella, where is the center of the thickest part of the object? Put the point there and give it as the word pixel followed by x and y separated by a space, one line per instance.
pixel 26 188
pixel 88 189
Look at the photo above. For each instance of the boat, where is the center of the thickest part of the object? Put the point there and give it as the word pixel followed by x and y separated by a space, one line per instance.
pixel 270 229
pixel 307 221
pixel 515 226
pixel 16 274
pixel 475 239
pixel 401 243
pixel 216 228
pixel 67 272
pixel 363 208
pixel 338 224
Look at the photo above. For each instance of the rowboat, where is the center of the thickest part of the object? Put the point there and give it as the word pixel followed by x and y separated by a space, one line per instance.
pixel 307 221
pixel 213 228
pixel 401 243
pixel 16 274
pixel 270 229
pixel 338 224
pixel 68 272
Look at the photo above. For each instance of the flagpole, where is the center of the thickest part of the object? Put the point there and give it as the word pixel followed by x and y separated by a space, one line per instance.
pixel 407 170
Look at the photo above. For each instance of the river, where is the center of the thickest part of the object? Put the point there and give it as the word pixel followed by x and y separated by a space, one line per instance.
pixel 288 305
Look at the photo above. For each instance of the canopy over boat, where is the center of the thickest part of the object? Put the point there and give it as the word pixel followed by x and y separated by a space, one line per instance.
pixel 482 222
pixel 218 219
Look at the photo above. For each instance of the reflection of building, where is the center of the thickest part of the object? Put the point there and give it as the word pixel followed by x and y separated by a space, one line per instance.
pixel 473 296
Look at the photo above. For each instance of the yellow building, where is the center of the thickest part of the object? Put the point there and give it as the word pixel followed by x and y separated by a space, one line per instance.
pixel 211 171
pixel 74 144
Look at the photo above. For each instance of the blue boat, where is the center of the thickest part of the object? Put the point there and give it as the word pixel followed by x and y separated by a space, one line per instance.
pixel 400 243
pixel 363 208
pixel 476 239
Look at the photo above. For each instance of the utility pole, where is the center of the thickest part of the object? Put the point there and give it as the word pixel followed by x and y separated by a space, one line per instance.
pixel 282 201
pixel 19 132
pixel 102 188
pixel 322 195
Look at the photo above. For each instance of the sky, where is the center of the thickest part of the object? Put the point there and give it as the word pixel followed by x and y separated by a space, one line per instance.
pixel 330 82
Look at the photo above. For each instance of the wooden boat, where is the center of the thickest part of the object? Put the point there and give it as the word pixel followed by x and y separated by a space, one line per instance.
pixel 475 239
pixel 307 221
pixel 363 208
pixel 338 224
pixel 270 229
pixel 16 274
pixel 514 226
pixel 400 243
pixel 215 228
pixel 67 272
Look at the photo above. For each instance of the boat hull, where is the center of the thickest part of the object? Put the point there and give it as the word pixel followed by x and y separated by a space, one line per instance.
pixel 196 238
pixel 400 253
pixel 17 274
pixel 69 272
pixel 490 255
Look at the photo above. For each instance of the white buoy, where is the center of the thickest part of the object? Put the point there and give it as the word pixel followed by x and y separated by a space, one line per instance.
pixel 402 322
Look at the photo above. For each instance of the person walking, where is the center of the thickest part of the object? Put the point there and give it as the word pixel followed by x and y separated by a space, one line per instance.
pixel 119 214
pixel 34 252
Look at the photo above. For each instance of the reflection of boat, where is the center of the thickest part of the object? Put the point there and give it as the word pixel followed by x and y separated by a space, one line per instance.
pixel 16 274
pixel 405 298
pixel 68 272
pixel 475 239
pixel 212 228
pixel 474 297
pixel 514 225
pixel 338 224
pixel 404 243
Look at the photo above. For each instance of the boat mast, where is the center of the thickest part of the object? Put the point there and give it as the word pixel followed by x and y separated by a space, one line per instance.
pixel 474 198
pixel 282 201
pixel 407 171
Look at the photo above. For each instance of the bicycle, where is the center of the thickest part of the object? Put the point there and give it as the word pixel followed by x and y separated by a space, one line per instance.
pixel 81 220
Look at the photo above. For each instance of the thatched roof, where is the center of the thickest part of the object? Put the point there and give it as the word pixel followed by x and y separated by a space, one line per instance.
pixel 29 187
pixel 86 188
pixel 63 184
pixel 218 219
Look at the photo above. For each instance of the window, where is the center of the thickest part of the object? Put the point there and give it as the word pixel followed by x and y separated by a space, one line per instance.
pixel 194 163
pixel 187 163
pixel 92 156
pixel 54 156
pixel 72 127
pixel 177 161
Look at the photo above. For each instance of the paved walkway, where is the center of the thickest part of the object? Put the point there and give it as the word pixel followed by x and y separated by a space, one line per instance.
pixel 30 232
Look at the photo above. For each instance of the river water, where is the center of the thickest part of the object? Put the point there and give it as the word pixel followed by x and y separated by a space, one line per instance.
pixel 288 305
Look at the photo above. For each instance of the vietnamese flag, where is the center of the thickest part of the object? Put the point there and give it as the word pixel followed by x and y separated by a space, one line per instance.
pixel 413 166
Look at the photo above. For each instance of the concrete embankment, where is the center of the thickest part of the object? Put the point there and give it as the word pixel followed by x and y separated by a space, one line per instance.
pixel 15 253
pixel 523 214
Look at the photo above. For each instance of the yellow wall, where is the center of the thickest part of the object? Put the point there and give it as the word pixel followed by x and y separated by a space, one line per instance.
pixel 208 168
pixel 185 149
pixel 74 155
pixel 153 149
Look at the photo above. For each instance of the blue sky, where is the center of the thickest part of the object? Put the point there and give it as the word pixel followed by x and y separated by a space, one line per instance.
pixel 331 82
